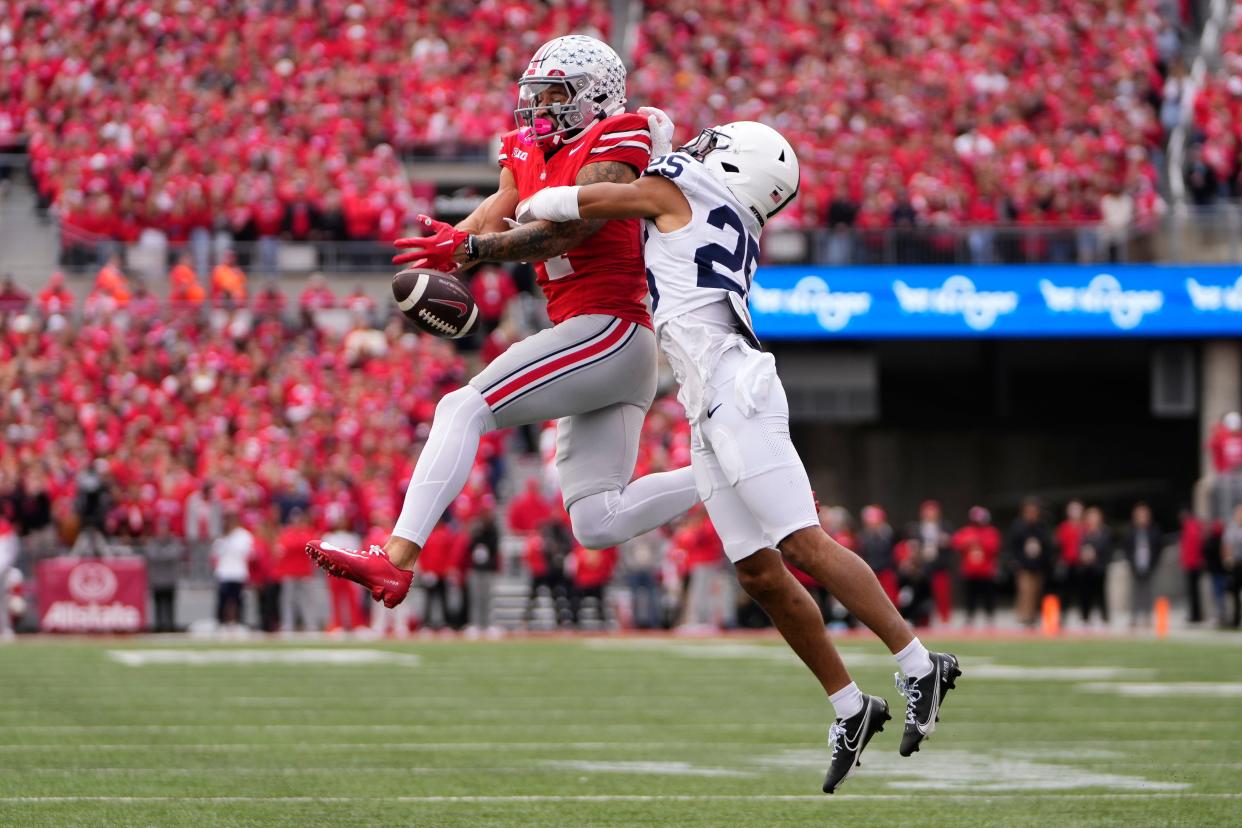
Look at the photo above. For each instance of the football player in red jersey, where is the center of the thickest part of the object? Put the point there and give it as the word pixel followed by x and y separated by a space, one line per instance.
pixel 595 369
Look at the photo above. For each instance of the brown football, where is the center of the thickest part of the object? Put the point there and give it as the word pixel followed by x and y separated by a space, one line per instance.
pixel 436 302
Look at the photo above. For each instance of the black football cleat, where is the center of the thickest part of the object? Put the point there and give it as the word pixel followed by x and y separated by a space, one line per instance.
pixel 923 698
pixel 848 737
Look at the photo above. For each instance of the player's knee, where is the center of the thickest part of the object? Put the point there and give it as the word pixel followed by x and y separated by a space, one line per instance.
pixel 463 407
pixel 762 574
pixel 803 546
pixel 592 519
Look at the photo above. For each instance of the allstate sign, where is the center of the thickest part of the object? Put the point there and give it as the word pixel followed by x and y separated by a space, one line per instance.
pixel 1002 301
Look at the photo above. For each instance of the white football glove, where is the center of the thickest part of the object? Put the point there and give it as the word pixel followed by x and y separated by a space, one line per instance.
pixel 662 128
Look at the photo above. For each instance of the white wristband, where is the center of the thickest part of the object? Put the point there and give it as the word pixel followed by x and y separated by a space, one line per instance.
pixel 552 204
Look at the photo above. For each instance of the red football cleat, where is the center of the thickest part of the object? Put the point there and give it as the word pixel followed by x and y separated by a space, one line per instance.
pixel 370 567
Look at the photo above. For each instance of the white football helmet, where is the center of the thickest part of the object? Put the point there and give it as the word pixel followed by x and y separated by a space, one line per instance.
pixel 592 77
pixel 754 161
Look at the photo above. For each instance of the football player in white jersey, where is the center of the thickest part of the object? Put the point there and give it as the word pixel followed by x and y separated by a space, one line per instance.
pixel 703 209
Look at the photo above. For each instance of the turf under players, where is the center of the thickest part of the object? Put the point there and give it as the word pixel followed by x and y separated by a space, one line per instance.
pixel 703 209
pixel 595 368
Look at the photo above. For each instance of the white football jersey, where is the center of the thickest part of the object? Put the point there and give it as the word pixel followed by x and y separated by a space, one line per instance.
pixel 699 276
pixel 712 259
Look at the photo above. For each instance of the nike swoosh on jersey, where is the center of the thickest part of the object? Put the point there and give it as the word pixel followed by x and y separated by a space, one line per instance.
pixel 712 410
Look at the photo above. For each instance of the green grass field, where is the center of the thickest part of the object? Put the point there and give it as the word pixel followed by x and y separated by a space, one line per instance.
pixel 593 732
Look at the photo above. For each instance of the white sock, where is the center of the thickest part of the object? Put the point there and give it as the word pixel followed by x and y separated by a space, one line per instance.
pixel 914 660
pixel 613 517
pixel 462 418
pixel 847 701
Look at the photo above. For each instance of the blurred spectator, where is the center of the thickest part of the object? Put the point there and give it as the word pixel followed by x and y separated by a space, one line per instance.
pixel 529 510
pixel 484 567
pixel 359 303
pixel 592 571
pixel 709 596
pixel 316 296
pixel 640 564
pixel 55 297
pixel 875 545
pixel 12 298
pixel 263 574
pixel 914 591
pixel 1231 569
pixel 1214 563
pixel 1067 573
pixel 204 514
pixel 1143 545
pixel 545 555
pixel 1190 546
pixel 1201 180
pixel 183 283
pixel 92 506
pixel 296 572
pixel 344 596
pixel 440 571
pixel 228 283
pixel 8 557
pixel 1095 551
pixel 933 536
pixel 493 289
pixel 978 546
pixel 1030 549
pixel 271 301
pixel 111 283
pixel 33 513
pixel 1225 445
pixel 231 554
pixel 164 553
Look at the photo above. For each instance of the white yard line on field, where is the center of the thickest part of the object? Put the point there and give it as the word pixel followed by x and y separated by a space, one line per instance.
pixel 557 798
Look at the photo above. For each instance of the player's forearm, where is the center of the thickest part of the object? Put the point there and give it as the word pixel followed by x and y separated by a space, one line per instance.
pixel 489 216
pixel 614 201
pixel 535 242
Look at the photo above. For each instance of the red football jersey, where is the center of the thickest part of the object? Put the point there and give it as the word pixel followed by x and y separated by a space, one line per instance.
pixel 605 273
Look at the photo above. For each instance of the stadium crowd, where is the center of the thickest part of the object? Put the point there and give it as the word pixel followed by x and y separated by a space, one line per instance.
pixel 273 119
pixel 224 419
pixel 260 118
pixel 1214 159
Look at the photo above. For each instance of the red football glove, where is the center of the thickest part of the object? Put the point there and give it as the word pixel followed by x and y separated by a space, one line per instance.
pixel 434 251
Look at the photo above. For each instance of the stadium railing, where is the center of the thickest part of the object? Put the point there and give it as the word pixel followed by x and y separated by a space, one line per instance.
pixel 971 244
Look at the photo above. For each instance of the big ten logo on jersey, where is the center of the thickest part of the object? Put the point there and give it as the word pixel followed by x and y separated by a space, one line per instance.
pixel 722 267
pixel 520 154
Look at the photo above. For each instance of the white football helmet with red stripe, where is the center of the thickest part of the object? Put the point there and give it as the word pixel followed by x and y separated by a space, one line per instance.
pixel 592 78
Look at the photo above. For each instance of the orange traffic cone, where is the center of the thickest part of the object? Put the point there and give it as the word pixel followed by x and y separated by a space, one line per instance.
pixel 1052 615
pixel 1162 617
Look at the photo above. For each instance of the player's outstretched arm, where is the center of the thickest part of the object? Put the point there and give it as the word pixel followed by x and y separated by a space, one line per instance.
pixel 651 197
pixel 490 215
pixel 541 240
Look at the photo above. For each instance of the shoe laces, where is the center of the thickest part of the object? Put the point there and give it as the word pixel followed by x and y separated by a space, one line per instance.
pixel 836 735
pixel 376 551
pixel 910 689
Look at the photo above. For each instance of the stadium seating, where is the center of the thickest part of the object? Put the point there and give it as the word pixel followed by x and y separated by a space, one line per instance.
pixel 906 111
pixel 1215 168
pixel 929 113
pixel 257 118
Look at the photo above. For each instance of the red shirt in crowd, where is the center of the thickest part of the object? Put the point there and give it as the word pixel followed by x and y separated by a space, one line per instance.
pixel 1069 538
pixel 1226 447
pixel 593 567
pixel 529 509
pixel 978 548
